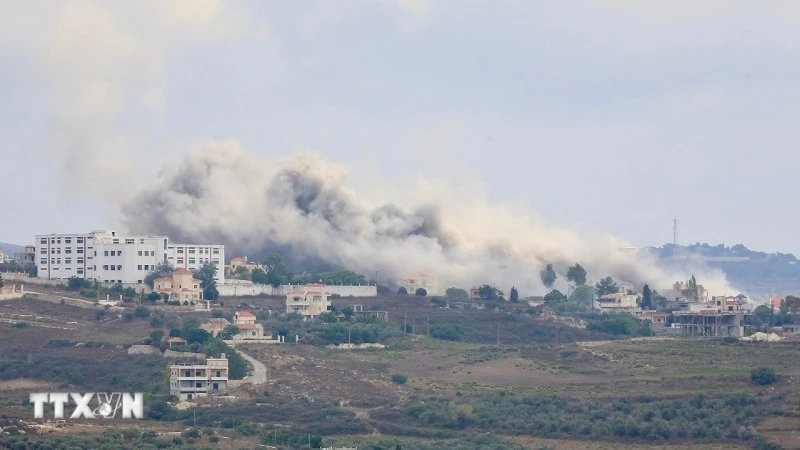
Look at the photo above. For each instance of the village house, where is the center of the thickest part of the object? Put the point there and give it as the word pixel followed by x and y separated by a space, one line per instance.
pixel 619 302
pixel 189 381
pixel 175 341
pixel 215 325
pixel 181 286
pixel 248 328
pixel 680 292
pixel 416 281
pixel 242 262
pixel 309 301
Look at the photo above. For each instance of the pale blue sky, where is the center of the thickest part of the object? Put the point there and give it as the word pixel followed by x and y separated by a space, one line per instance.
pixel 613 116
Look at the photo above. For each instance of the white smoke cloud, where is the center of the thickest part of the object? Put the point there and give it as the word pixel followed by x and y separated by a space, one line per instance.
pixel 220 193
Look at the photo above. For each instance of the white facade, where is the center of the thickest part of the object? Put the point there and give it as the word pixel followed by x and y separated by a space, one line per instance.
pixel 108 257
pixel 193 256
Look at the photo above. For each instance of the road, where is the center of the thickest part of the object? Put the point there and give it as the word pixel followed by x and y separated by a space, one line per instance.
pixel 259 370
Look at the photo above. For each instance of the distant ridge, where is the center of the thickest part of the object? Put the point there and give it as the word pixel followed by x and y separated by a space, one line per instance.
pixel 10 249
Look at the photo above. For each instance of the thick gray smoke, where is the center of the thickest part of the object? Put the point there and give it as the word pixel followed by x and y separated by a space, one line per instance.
pixel 221 194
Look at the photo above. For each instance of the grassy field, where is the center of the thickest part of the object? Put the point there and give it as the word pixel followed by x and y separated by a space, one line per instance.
pixel 552 385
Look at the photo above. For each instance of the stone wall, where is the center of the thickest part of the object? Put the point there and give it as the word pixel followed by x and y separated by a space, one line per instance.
pixel 244 290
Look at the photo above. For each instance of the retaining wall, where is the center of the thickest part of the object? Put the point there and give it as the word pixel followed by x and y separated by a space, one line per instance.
pixel 245 290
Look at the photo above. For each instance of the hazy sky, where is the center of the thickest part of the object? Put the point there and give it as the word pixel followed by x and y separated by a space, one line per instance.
pixel 611 116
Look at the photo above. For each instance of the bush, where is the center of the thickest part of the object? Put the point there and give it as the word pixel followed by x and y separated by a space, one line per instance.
pixel 399 379
pixel 402 291
pixel 420 292
pixel 141 311
pixel 153 297
pixel 763 376
pixel 100 314
pixel 127 316
pixel 19 325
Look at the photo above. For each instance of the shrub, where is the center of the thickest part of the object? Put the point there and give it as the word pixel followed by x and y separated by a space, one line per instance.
pixel 141 311
pixel 402 291
pixel 19 325
pixel 399 379
pixel 100 314
pixel 153 297
pixel 213 439
pixel 420 292
pixel 763 376
pixel 127 316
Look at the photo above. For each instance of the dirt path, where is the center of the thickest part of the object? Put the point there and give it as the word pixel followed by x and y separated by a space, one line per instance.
pixel 259 370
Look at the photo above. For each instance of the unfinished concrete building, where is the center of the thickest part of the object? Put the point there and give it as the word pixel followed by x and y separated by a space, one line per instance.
pixel 710 324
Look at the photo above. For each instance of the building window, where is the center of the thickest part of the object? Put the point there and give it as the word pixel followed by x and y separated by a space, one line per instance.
pixel 43 241
pixel 146 267
pixel 58 251
pixel 139 267
pixel 191 261
pixel 80 270
pixel 80 250
pixel 105 267
pixel 67 240
pixel 43 251
pixel 180 251
pixel 119 267
pixel 43 262
pixel 80 260
pixel 67 250
pixel 58 241
pixel 180 260
pixel 119 252
pixel 52 251
pixel 79 240
pixel 129 241
pixel 106 253
pixel 216 251
pixel 115 241
pixel 67 260
pixel 191 251
pixel 140 253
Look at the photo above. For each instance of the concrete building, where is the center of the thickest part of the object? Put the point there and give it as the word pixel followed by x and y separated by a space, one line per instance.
pixel 190 381
pixel 310 301
pixel 26 257
pixel 193 256
pixel 416 281
pixel 111 258
pixel 181 286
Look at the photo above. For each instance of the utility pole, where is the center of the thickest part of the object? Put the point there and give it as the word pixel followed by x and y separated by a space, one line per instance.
pixel 405 315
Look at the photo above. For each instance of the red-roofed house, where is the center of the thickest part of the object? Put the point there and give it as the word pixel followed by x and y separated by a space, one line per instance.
pixel 181 286
pixel 309 301
pixel 248 328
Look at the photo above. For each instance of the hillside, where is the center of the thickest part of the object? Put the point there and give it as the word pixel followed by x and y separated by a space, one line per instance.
pixel 760 274
pixel 10 249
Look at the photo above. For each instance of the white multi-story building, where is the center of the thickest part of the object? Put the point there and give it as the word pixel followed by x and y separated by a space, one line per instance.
pixel 107 257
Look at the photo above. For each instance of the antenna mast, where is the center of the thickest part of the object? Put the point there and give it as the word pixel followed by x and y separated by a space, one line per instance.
pixel 675 231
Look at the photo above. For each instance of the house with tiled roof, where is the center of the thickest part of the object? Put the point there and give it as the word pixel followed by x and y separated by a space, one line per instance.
pixel 215 325
pixel 181 286
pixel 248 328
pixel 309 301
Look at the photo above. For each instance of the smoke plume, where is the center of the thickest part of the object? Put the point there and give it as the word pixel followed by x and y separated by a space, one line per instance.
pixel 221 194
